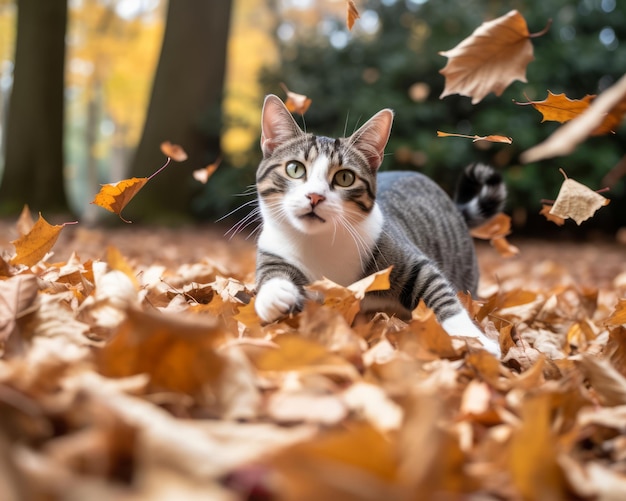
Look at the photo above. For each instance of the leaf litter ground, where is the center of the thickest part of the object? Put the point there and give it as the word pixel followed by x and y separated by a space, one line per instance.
pixel 134 368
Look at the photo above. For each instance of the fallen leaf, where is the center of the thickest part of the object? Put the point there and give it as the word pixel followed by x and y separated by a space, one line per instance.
pixel 576 201
pixel 605 380
pixel 296 103
pixel 203 175
pixel 495 230
pixel 25 222
pixel 114 197
pixel 16 295
pixel 560 108
pixel 490 138
pixel 32 247
pixel 611 103
pixel 174 151
pixel 490 59
pixel 352 15
pixel 504 247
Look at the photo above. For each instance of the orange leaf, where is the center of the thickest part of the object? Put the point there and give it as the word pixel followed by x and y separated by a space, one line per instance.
pixel 114 197
pixel 353 14
pixel 25 222
pixel 296 103
pixel 174 151
pixel 32 247
pixel 498 226
pixel 205 173
pixel 504 247
pixel 490 59
pixel 560 108
pixel 606 111
pixel 545 211
pixel 491 138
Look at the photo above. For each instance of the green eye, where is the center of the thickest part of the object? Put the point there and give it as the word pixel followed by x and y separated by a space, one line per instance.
pixel 295 169
pixel 344 178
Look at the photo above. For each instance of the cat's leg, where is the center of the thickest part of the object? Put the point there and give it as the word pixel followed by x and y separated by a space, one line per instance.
pixel 461 325
pixel 276 298
pixel 280 287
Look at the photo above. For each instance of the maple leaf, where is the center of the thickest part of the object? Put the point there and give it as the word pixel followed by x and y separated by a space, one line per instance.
pixel 606 111
pixel 32 247
pixel 296 103
pixel 352 15
pixel 491 138
pixel 203 175
pixel 577 201
pixel 560 108
pixel 490 59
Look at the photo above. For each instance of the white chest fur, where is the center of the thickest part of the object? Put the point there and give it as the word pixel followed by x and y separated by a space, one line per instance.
pixel 339 255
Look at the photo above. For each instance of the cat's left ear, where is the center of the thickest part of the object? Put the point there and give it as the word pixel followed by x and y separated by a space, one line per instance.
pixel 372 137
pixel 277 125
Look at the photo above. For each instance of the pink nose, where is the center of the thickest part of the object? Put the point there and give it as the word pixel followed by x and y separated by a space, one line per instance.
pixel 315 198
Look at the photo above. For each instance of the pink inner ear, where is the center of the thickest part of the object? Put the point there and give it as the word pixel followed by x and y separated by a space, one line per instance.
pixel 372 137
pixel 277 125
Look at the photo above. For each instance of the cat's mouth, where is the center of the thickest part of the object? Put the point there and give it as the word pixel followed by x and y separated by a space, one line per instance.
pixel 312 216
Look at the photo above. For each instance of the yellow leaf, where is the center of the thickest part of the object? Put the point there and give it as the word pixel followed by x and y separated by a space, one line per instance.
pixel 32 247
pixel 353 14
pixel 490 59
pixel 114 197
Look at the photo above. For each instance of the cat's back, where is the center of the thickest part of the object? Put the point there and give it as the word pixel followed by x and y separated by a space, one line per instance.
pixel 419 213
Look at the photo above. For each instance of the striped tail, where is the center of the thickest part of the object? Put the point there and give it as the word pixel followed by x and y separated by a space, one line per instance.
pixel 480 194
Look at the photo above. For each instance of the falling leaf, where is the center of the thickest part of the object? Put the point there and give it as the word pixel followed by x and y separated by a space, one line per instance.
pixel 296 103
pixel 560 108
pixel 608 106
pixel 174 151
pixel 545 211
pixel 495 230
pixel 490 138
pixel 32 247
pixel 576 201
pixel 490 59
pixel 205 173
pixel 114 197
pixel 353 14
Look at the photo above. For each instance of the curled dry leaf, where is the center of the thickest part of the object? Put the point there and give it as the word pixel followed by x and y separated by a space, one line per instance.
pixel 491 138
pixel 203 175
pixel 296 103
pixel 32 247
pixel 352 15
pixel 490 59
pixel 174 151
pixel 576 201
pixel 114 197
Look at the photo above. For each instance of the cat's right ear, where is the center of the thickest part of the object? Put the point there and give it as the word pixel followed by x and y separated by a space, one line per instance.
pixel 277 125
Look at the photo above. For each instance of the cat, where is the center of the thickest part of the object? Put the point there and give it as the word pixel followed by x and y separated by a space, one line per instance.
pixel 327 212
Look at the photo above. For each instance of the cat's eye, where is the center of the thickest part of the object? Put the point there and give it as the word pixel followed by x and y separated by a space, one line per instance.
pixel 295 169
pixel 344 178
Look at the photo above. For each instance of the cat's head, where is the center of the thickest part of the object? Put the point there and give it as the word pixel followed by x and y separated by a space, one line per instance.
pixel 313 183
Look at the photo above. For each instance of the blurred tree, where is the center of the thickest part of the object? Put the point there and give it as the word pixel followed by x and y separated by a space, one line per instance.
pixel 33 170
pixel 185 106
pixel 391 59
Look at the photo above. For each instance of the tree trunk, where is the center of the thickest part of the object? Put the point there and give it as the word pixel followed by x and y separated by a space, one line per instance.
pixel 185 107
pixel 33 170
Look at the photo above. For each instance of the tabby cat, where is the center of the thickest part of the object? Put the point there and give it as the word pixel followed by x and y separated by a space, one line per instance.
pixel 326 213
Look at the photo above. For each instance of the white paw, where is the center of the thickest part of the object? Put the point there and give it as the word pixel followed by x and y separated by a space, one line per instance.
pixel 461 325
pixel 276 298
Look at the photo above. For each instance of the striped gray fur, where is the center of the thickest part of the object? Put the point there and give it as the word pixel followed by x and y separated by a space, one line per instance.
pixel 414 225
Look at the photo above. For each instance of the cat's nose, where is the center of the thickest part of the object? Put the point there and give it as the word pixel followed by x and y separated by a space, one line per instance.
pixel 315 198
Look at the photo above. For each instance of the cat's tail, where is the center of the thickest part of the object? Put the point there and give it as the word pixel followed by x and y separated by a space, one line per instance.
pixel 480 194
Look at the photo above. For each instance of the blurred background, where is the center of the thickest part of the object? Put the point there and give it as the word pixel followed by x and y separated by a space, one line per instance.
pixel 90 88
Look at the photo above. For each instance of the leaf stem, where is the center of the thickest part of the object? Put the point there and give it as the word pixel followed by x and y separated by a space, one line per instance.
pixel 163 167
pixel 543 31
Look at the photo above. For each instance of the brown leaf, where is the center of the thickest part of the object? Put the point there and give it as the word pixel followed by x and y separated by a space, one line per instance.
pixel 203 175
pixel 491 138
pixel 495 230
pixel 576 201
pixel 606 381
pixel 25 222
pixel 496 54
pixel 174 151
pixel 608 106
pixel 296 103
pixel 352 15
pixel 545 211
pixel 114 197
pixel 16 295
pixel 33 247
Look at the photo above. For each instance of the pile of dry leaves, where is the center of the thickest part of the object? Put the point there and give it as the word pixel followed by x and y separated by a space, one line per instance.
pixel 145 374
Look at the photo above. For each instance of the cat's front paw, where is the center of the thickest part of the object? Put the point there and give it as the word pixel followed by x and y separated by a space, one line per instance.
pixel 277 298
pixel 461 325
